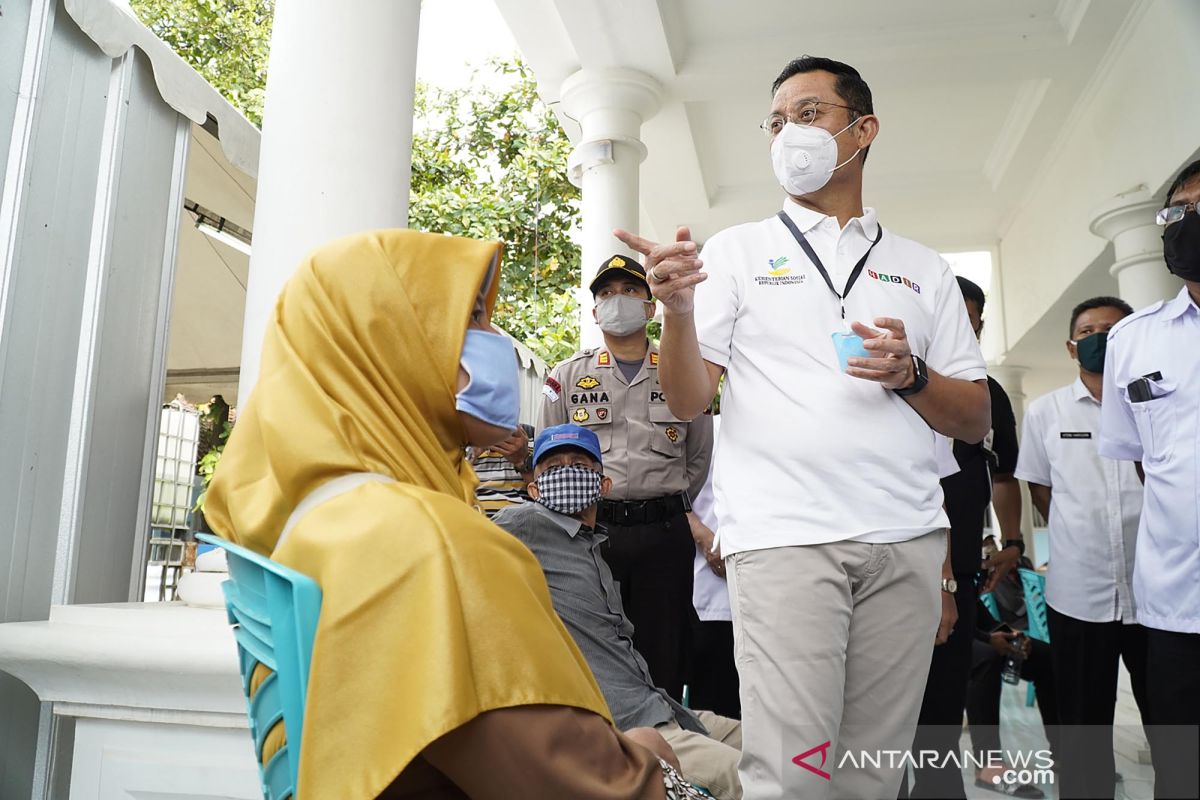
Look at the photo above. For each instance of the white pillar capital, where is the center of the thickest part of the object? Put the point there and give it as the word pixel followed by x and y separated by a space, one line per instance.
pixel 611 103
pixel 1128 222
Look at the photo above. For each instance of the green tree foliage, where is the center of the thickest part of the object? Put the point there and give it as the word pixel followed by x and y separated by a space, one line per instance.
pixel 489 160
pixel 226 41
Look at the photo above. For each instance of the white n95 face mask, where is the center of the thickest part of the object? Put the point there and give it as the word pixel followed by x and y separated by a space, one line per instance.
pixel 805 157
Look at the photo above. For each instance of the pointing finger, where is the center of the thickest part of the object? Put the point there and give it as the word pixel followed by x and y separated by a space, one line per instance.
pixel 643 246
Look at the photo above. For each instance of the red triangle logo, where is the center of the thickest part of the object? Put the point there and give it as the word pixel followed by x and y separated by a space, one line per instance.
pixel 824 750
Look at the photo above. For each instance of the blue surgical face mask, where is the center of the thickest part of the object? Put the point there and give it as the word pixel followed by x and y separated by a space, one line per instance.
pixel 493 393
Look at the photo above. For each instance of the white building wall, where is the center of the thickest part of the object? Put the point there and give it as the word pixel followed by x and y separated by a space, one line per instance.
pixel 1135 125
pixel 93 168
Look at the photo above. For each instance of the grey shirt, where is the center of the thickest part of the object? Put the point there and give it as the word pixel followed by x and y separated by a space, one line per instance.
pixel 587 601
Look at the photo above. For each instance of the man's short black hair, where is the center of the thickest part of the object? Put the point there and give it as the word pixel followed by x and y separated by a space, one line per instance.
pixel 971 291
pixel 1098 302
pixel 1189 172
pixel 849 85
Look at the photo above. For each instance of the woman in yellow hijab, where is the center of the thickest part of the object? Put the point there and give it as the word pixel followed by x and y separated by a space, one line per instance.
pixel 440 668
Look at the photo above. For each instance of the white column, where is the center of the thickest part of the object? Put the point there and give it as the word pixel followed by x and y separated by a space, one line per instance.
pixel 1128 222
pixel 610 105
pixel 337 140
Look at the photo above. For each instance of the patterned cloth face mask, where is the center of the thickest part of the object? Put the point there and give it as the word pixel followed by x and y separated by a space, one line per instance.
pixel 568 489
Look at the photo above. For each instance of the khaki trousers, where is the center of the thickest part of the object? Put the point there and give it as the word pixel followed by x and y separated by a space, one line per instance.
pixel 709 761
pixel 833 643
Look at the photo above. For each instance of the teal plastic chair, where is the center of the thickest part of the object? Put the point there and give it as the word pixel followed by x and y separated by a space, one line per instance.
pixel 1034 584
pixel 989 601
pixel 274 612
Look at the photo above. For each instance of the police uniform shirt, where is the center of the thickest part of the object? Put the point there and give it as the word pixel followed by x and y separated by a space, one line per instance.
pixel 1151 413
pixel 648 452
pixel 809 454
pixel 1095 506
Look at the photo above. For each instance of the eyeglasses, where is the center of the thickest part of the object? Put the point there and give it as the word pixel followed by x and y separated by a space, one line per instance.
pixel 1172 214
pixel 806 115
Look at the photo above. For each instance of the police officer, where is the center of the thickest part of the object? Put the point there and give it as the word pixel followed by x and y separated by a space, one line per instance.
pixel 657 462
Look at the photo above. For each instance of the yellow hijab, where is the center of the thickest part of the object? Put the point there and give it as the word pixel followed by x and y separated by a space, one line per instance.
pixel 431 614
pixel 358 375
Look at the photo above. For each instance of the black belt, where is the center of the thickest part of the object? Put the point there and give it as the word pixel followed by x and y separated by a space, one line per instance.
pixel 643 512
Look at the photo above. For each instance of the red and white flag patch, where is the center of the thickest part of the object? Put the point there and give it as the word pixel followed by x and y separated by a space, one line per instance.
pixel 552 390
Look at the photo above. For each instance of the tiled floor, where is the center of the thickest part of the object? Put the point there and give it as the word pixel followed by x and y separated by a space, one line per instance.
pixel 1021 729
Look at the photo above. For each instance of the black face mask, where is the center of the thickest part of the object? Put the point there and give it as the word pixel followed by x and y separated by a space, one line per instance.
pixel 1181 247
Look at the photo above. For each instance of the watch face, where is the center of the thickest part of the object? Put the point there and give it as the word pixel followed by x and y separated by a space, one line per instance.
pixel 950 585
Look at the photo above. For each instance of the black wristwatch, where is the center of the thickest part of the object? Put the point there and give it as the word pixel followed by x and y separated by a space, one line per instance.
pixel 920 379
pixel 1017 543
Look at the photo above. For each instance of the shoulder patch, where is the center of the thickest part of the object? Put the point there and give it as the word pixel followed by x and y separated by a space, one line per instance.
pixel 552 390
pixel 653 359
pixel 604 360
pixel 577 355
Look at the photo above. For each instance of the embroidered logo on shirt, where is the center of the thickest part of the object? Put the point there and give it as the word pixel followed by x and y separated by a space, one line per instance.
pixel 1075 435
pixel 587 382
pixel 654 359
pixel 581 415
pixel 604 359
pixel 779 275
pixel 552 389
pixel 778 266
pixel 900 279
pixel 672 434
pixel 601 414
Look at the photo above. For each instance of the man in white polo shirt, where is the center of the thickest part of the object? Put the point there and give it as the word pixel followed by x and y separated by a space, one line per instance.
pixel 1093 505
pixel 1151 415
pixel 826 480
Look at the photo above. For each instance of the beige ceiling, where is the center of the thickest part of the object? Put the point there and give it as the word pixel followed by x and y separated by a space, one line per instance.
pixel 971 95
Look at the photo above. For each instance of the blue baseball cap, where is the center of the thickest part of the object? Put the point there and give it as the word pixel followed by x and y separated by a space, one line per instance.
pixel 566 436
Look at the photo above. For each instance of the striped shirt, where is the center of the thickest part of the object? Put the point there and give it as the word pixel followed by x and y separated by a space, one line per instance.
pixel 500 483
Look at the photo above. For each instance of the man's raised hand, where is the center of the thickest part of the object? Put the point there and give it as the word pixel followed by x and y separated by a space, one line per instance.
pixel 672 270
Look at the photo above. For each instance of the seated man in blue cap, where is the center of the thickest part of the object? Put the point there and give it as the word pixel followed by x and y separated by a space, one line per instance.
pixel 560 528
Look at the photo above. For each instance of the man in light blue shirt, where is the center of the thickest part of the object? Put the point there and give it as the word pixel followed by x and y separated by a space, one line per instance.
pixel 1151 415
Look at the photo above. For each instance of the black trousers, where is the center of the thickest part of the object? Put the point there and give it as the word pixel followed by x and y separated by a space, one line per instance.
pixel 1173 679
pixel 652 565
pixel 712 674
pixel 940 723
pixel 983 695
pixel 1086 656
